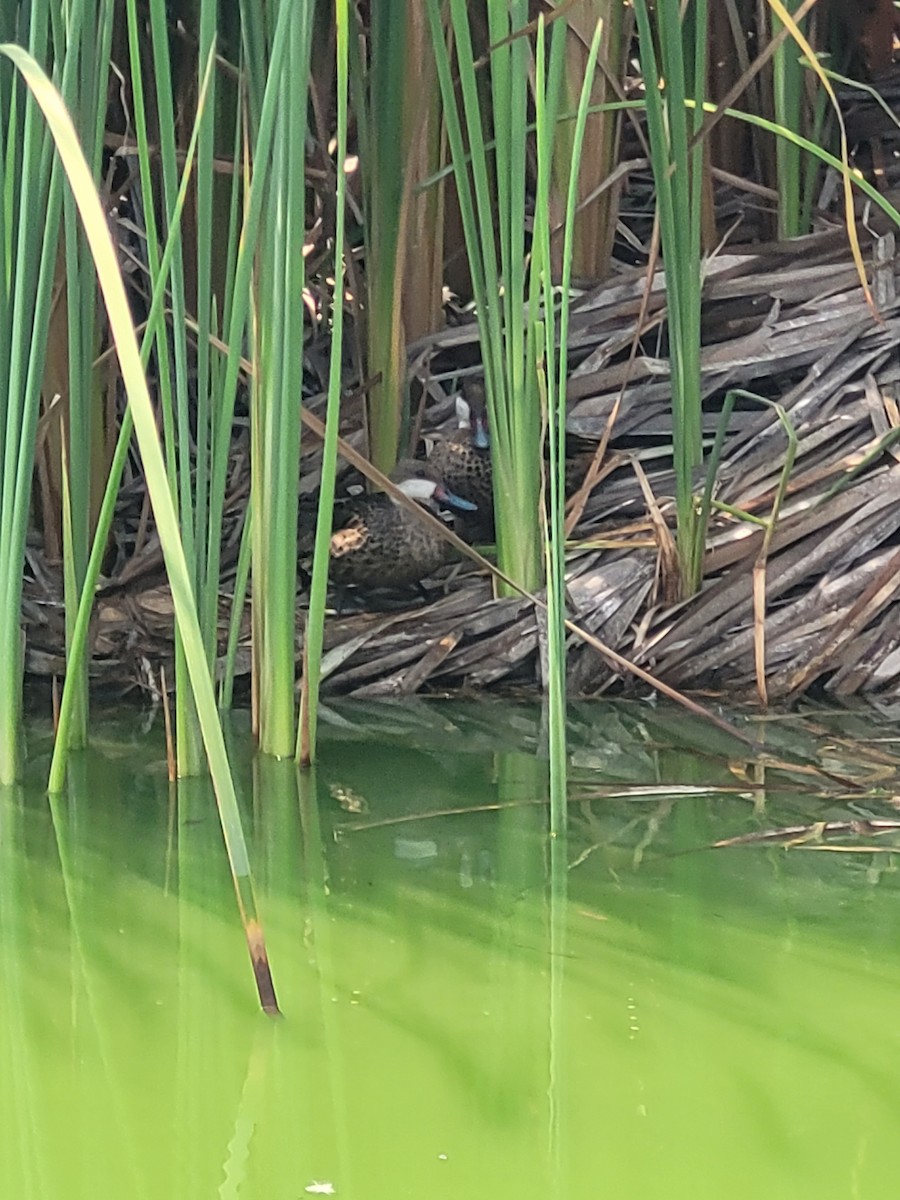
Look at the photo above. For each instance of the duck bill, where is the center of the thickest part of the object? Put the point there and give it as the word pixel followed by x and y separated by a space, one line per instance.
pixel 451 500
pixel 481 439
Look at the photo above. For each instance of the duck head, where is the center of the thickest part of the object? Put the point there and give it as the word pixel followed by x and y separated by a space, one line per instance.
pixel 471 413
pixel 417 480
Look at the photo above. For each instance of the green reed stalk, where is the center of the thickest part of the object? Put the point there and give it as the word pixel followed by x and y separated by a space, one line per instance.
pixel 85 72
pixel 554 416
pixel 172 350
pixel 264 96
pixel 559 791
pixel 315 625
pixel 29 232
pixel 670 80
pixel 553 373
pixel 821 127
pixel 825 156
pixel 154 332
pixel 396 105
pixel 207 242
pixel 789 99
pixel 242 575
pixel 189 408
pixel 123 333
pixel 491 193
pixel 384 166
pixel 197 410
pixel 275 393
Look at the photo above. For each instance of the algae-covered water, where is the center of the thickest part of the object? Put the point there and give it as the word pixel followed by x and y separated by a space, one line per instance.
pixel 471 1008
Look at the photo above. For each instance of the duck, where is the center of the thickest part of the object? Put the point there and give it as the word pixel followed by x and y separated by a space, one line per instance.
pixel 378 543
pixel 463 459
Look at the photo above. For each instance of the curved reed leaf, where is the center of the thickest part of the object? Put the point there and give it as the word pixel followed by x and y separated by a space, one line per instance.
pixel 152 330
pixel 113 289
pixel 315 625
pixel 277 324
pixel 29 236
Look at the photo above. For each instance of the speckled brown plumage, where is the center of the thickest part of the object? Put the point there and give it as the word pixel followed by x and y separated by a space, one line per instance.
pixel 381 544
pixel 466 467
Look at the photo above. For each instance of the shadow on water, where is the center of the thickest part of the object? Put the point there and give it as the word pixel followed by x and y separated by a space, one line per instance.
pixel 471 1008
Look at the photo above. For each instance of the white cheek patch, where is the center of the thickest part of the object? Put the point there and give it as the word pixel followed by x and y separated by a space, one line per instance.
pixel 418 489
pixel 463 413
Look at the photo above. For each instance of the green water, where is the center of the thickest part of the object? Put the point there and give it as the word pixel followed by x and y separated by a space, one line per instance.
pixel 469 1009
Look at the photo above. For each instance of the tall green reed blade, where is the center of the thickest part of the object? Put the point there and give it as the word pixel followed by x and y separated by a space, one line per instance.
pixel 315 625
pixel 195 455
pixel 195 407
pixel 396 104
pixel 197 420
pixel 553 413
pixel 227 265
pixel 553 378
pixel 384 166
pixel 824 83
pixel 172 350
pixel 275 396
pixel 29 232
pixel 492 203
pixel 820 125
pixel 670 80
pixel 850 177
pixel 790 109
pixel 123 333
pixel 263 123
pixel 154 332
pixel 84 90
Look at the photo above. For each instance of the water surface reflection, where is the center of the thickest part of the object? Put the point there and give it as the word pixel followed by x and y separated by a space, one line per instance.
pixel 470 1008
